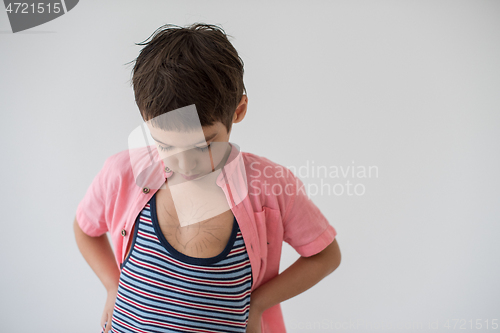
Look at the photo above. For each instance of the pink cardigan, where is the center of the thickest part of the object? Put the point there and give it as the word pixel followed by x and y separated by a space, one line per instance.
pixel 269 202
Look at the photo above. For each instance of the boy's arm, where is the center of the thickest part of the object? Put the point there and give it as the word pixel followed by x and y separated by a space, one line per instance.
pixel 300 276
pixel 99 255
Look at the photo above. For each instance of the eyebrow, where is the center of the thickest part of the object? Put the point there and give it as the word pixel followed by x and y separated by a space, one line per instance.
pixel 207 138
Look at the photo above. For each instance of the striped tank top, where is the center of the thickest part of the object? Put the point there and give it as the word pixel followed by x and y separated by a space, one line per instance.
pixel 163 290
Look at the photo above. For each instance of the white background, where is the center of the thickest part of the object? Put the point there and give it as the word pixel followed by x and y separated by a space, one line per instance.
pixel 412 87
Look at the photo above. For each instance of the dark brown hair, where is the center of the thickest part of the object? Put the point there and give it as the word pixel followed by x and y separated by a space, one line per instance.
pixel 192 65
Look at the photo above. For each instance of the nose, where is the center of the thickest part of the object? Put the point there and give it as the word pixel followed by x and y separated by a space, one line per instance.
pixel 186 162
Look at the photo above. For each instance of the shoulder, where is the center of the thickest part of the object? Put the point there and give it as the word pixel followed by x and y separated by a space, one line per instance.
pixel 116 169
pixel 259 167
pixel 119 160
pixel 117 163
pixel 270 184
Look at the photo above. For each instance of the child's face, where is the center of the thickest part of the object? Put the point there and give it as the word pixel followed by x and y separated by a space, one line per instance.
pixel 194 154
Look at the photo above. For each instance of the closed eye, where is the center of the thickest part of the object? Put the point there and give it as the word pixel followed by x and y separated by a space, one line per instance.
pixel 167 148
pixel 205 148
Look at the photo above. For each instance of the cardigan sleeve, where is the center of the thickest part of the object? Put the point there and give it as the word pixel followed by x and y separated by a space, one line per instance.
pixel 305 227
pixel 91 211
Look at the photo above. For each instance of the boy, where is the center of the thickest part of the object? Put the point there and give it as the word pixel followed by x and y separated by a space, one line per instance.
pixel 197 226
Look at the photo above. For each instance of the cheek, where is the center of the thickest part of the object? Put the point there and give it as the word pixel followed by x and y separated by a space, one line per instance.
pixel 218 150
pixel 203 161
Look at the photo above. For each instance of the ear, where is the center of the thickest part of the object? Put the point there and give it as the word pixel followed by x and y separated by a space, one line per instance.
pixel 241 110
